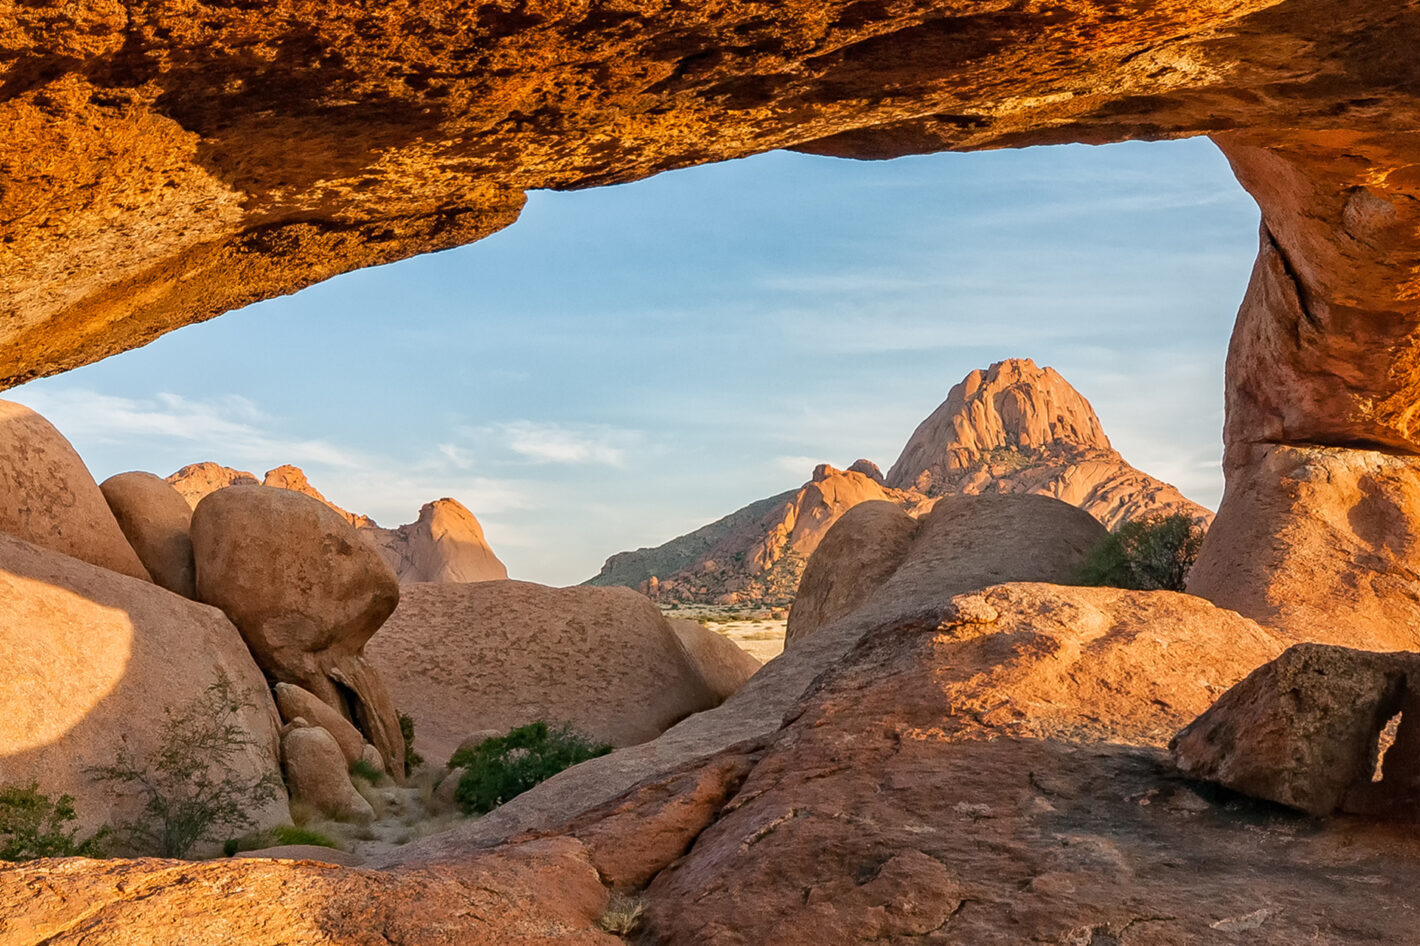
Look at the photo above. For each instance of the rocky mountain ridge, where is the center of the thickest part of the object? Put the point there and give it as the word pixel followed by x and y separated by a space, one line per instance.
pixel 445 544
pixel 1011 428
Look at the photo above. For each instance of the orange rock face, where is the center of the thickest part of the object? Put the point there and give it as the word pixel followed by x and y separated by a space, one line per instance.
pixel 1013 428
pixel 1017 428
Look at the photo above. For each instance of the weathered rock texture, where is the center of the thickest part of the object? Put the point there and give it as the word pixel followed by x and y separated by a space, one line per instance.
pixel 494 655
pixel 1017 428
pixel 155 518
pixel 196 480
pixel 1303 730
pixel 48 497
pixel 92 659
pixel 161 169
pixel 1013 428
pixel 446 543
pixel 982 769
pixel 1320 543
pixel 307 593
pixel 721 663
pixel 544 893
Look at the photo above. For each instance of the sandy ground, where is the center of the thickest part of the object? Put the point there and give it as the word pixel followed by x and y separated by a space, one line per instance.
pixel 756 630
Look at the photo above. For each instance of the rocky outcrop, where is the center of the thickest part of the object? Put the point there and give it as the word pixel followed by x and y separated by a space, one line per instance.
pixel 92 659
pixel 317 774
pixel 544 893
pixel 754 555
pixel 445 544
pixel 1013 428
pixel 1017 428
pixel 494 655
pixel 965 542
pixel 158 151
pixel 294 703
pixel 721 663
pixel 307 594
pixel 1303 730
pixel 48 497
pixel 197 480
pixel 1319 543
pixel 156 520
pixel 856 556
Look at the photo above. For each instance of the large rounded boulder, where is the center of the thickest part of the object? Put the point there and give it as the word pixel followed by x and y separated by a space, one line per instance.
pixel 860 552
pixel 306 592
pixel 48 497
pixel 94 660
pixel 721 663
pixel 156 521
pixel 461 658
pixel 964 543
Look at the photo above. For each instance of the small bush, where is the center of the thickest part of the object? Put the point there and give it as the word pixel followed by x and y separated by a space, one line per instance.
pixel 623 915
pixel 190 786
pixel 412 759
pixel 282 835
pixel 34 825
pixel 499 769
pixel 1151 553
pixel 362 768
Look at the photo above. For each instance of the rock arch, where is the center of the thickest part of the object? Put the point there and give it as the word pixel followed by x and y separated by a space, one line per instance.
pixel 166 162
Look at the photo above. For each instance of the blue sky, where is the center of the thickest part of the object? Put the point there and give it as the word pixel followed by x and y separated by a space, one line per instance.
pixel 627 363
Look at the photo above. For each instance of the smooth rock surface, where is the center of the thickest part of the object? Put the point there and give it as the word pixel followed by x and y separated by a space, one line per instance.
pixel 318 775
pixel 495 655
pixel 445 544
pixel 856 556
pixel 721 663
pixel 156 520
pixel 307 593
pixel 48 497
pixel 295 703
pixel 92 660
pixel 1301 730
pixel 1320 543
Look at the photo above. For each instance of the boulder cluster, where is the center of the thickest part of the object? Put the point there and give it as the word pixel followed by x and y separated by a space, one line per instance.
pixel 129 599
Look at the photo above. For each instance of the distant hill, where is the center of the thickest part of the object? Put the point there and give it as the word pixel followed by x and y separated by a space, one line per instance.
pixel 1012 428
pixel 445 544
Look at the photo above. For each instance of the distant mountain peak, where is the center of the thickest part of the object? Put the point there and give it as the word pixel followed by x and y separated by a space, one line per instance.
pixel 1010 412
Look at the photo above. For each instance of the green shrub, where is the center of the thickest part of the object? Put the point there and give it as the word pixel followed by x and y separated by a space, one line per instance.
pixel 1148 554
pixel 33 825
pixel 367 770
pixel 412 759
pixel 280 836
pixel 502 768
pixel 190 786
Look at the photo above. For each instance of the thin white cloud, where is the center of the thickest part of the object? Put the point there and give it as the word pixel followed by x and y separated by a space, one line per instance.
pixel 554 443
pixel 233 425
pixel 799 466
